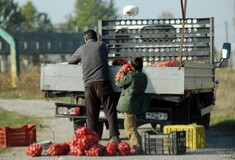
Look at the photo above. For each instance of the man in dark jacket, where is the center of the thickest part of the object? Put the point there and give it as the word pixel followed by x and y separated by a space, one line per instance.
pixel 98 89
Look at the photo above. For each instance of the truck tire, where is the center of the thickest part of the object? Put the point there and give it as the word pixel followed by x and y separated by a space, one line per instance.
pixel 205 121
pixel 100 129
pixel 153 126
pixel 78 123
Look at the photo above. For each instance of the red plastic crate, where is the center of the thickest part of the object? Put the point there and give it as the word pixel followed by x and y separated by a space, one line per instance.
pixel 22 136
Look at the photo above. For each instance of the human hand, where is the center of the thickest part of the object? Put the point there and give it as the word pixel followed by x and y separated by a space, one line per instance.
pixel 119 75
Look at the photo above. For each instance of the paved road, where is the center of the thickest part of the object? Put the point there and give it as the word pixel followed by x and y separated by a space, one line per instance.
pixel 220 144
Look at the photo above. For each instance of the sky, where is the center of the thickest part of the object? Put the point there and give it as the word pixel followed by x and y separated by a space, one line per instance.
pixel 223 12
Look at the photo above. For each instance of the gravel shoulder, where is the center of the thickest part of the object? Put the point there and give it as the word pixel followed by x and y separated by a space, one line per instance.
pixel 219 145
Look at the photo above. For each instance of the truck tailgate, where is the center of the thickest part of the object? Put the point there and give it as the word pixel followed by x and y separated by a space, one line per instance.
pixel 161 80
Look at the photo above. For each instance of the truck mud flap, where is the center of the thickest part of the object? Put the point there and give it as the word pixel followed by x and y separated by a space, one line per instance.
pixel 207 110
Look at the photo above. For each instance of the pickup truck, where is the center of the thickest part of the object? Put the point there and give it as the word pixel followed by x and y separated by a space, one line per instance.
pixel 180 94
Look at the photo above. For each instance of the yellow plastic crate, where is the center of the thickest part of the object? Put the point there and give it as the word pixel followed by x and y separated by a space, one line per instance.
pixel 195 134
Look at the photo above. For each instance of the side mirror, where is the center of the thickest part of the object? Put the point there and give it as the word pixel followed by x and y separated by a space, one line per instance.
pixel 225 54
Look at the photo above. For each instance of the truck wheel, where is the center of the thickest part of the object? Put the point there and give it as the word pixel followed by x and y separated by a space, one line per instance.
pixel 100 129
pixel 153 126
pixel 77 124
pixel 205 121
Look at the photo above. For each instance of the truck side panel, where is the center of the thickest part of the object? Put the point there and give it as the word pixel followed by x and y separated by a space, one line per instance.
pixel 161 80
pixel 61 77
pixel 68 78
pixel 165 80
pixel 199 76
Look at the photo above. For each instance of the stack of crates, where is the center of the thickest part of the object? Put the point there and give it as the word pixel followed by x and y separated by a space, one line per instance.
pixel 159 143
pixel 195 134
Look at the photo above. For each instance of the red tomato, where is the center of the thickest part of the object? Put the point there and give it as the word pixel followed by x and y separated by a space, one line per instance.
pixel 170 63
pixel 119 61
pixel 111 148
pixel 75 151
pixel 123 148
pixel 125 68
pixel 34 150
pixel 58 149
pixel 95 150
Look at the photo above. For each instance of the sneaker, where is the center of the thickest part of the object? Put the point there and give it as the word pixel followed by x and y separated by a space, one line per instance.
pixel 115 139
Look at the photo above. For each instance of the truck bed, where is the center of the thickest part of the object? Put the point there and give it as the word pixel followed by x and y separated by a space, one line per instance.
pixel 161 80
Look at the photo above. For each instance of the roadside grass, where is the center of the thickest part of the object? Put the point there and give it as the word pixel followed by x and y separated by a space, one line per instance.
pixel 15 120
pixel 223 115
pixel 28 85
pixel 224 123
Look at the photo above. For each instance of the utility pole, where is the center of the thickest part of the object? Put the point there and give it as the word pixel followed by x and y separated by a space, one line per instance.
pixel 227 62
pixel 226 30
